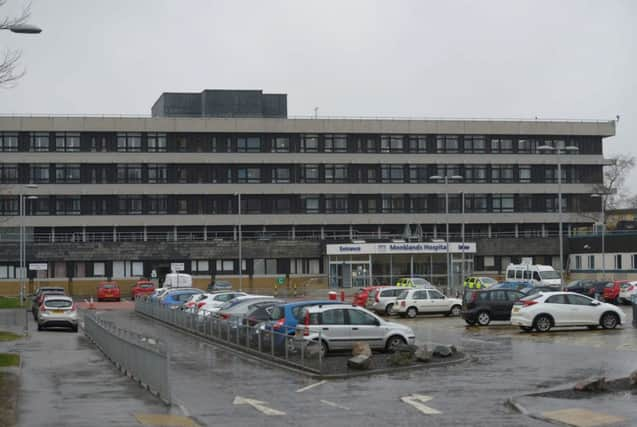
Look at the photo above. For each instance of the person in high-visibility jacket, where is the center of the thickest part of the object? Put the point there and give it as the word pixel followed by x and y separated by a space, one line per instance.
pixel 472 283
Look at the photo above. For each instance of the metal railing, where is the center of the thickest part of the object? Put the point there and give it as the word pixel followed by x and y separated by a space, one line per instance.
pixel 141 358
pixel 284 347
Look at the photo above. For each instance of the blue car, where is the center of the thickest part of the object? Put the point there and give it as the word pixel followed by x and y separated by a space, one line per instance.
pixel 285 317
pixel 516 286
pixel 177 297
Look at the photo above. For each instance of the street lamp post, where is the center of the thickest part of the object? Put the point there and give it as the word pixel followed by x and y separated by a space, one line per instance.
pixel 23 29
pixel 239 232
pixel 23 252
pixel 446 179
pixel 603 197
pixel 558 151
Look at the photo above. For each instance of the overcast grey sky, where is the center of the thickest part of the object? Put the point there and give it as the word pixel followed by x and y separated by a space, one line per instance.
pixel 499 58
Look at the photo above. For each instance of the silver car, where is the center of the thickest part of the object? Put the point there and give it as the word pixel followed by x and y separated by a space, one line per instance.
pixel 57 311
pixel 382 300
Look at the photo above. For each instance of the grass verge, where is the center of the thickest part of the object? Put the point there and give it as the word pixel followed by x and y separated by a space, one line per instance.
pixel 10 302
pixel 9 359
pixel 8 399
pixel 9 336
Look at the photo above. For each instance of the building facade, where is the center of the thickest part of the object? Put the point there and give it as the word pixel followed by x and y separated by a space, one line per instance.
pixel 121 197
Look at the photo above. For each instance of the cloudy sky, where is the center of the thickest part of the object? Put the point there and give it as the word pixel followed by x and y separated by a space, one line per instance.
pixel 500 58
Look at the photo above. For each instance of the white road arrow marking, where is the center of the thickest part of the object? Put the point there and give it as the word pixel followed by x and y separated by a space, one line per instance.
pixel 301 390
pixel 417 400
pixel 256 404
pixel 335 405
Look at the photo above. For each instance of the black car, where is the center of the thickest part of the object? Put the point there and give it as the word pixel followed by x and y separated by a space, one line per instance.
pixel 481 306
pixel 538 289
pixel 587 287
pixel 260 312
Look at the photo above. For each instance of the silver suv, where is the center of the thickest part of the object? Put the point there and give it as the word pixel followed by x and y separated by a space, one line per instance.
pixel 382 300
pixel 339 326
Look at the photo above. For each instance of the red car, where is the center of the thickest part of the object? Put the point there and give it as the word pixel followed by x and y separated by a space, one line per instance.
pixel 141 288
pixel 360 297
pixel 612 289
pixel 108 290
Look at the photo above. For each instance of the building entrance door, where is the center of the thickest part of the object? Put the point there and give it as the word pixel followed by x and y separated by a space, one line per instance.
pixel 347 274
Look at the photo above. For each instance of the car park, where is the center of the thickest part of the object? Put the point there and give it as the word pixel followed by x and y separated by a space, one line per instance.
pixel 237 307
pixel 589 288
pixel 40 295
pixel 546 310
pixel 285 317
pixel 212 302
pixel 339 326
pixel 57 311
pixel 219 285
pixel 627 291
pixel 108 291
pixel 412 302
pixel 479 282
pixel 174 298
pixel 360 297
pixel 537 289
pixel 142 288
pixel 382 300
pixel 481 306
pixel 612 291
pixel 414 282
pixel 538 274
pixel 260 312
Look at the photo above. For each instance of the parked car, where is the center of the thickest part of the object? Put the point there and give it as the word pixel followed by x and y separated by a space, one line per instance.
pixel 516 286
pixel 41 294
pixel 546 310
pixel 260 312
pixel 360 297
pixel 481 306
pixel 537 289
pixel 414 282
pixel 212 302
pixel 108 291
pixel 382 300
pixel 285 317
pixel 174 298
pixel 219 285
pixel 239 306
pixel 483 282
pixel 589 288
pixel 535 273
pixel 35 298
pixel 612 290
pixel 627 291
pixel 142 288
pixel 57 311
pixel 339 326
pixel 412 302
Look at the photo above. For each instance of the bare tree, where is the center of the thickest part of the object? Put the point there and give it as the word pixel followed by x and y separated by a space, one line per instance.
pixel 9 72
pixel 615 176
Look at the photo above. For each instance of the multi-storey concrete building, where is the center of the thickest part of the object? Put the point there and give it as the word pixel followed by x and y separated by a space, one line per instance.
pixel 123 196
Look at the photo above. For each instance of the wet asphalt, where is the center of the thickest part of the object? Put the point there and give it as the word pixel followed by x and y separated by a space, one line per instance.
pixel 504 363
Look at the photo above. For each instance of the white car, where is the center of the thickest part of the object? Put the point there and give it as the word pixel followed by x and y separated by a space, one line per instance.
pixel 627 291
pixel 339 326
pixel 554 309
pixel 412 302
pixel 57 311
pixel 215 301
pixel 382 300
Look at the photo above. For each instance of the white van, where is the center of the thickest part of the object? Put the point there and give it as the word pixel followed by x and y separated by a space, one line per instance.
pixel 535 273
pixel 178 280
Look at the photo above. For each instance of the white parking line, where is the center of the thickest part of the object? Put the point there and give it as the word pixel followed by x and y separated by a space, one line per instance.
pixel 301 390
pixel 417 400
pixel 258 405
pixel 335 405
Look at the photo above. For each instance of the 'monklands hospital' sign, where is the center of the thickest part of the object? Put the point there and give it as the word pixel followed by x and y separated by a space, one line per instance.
pixel 400 248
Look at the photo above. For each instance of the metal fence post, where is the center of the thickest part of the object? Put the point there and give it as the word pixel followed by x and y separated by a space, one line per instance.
pixel 320 342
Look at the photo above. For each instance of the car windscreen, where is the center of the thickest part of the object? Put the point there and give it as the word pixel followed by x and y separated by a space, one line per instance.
pixel 108 286
pixel 531 297
pixel 58 303
pixel 145 285
pixel 277 313
pixel 549 274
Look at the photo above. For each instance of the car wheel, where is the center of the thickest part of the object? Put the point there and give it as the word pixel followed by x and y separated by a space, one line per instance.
pixel 40 327
pixel 484 318
pixel 526 328
pixel 324 348
pixel 393 342
pixel 389 308
pixel 543 323
pixel 74 328
pixel 456 310
pixel 609 321
pixel 470 322
pixel 412 312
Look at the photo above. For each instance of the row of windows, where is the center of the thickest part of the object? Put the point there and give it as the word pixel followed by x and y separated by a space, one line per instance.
pixel 304 143
pixel 135 173
pixel 310 204
pixel 613 261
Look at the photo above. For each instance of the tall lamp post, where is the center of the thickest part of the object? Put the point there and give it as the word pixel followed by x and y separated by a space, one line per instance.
pixel 23 252
pixel 23 29
pixel 446 179
pixel 238 195
pixel 558 151
pixel 603 197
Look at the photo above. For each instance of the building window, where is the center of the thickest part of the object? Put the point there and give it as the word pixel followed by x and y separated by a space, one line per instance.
pixel 7 271
pixel 555 143
pixel 477 203
pixel 310 174
pixel 392 173
pixel 68 142
pixel 393 204
pixel 157 205
pixel 311 204
pixel 98 206
pixel 578 262
pixel 418 144
pixel 448 170
pixel 281 144
pixel 305 266
pixel 371 145
pixel 67 173
pixel 249 144
pixel 309 144
pixel 336 204
pixel 248 175
pixel 634 261
pixel 40 174
pixel 156 142
pixel 475 173
pixel 129 142
pixel 225 266
pixel 9 206
pixel 8 141
pixel 67 205
pixel 129 174
pixel 527 146
pixel 591 262
pixel 39 141
pixel 264 266
pixel 281 175
pixel 251 205
pixel 221 144
pixel 391 144
pixel 282 206
pixel 157 174
pixel 447 144
pixel 501 145
pixel 200 266
pixel 130 205
pixel 502 203
pixel 99 269
pixel 474 144
pixel 335 173
pixel 525 174
pixel 8 173
pixel 618 262
pixel 335 144
pixel 502 173
pixel 417 174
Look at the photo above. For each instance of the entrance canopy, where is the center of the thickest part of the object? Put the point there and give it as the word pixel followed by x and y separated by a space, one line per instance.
pixel 399 248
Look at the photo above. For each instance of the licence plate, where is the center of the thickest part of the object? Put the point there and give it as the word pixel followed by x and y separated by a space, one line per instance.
pixel 516 309
pixel 58 311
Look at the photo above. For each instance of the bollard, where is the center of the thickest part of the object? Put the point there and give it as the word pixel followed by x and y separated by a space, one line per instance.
pixel 294 289
pixel 342 295
pixel 634 301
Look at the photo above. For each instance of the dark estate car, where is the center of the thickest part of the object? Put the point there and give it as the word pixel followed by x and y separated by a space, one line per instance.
pixel 587 287
pixel 481 306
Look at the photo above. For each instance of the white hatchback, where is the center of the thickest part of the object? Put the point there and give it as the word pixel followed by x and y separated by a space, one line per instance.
pixel 627 291
pixel 412 302
pixel 545 310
